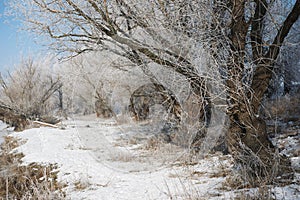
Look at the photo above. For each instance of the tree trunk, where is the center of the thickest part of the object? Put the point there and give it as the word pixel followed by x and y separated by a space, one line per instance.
pixel 249 144
pixel 247 137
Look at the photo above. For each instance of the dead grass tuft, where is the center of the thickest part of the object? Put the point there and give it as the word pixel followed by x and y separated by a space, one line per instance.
pixel 122 156
pixel 33 181
pixel 80 185
pixel 234 181
pixel 153 143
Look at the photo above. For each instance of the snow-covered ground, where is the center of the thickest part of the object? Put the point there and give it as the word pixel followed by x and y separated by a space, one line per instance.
pixel 93 153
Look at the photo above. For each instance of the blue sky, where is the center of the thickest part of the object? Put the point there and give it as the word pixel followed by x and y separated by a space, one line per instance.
pixel 13 43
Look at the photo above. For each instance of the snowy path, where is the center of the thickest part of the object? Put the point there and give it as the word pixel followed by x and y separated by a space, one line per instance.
pixel 97 164
pixel 86 153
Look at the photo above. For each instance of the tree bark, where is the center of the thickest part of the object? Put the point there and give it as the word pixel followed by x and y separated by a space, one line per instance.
pixel 247 137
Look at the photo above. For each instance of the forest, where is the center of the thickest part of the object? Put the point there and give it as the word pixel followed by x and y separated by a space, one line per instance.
pixel 208 76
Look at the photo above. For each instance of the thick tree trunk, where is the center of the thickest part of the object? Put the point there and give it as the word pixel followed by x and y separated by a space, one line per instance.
pixel 154 93
pixel 250 146
pixel 247 137
pixel 103 109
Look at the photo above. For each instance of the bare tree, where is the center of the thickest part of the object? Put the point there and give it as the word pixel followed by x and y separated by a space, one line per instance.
pixel 96 76
pixel 30 87
pixel 170 34
pixel 251 42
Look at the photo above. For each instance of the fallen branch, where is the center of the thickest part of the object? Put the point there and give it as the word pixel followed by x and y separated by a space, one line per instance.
pixel 45 124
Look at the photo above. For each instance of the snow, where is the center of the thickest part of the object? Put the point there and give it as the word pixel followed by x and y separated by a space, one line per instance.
pixel 3 131
pixel 85 152
pixel 92 152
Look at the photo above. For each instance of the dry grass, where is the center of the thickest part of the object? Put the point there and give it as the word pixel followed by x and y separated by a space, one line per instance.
pixel 247 187
pixel 264 192
pixel 185 190
pixel 235 182
pixel 121 156
pixel 33 181
pixel 81 185
pixel 153 143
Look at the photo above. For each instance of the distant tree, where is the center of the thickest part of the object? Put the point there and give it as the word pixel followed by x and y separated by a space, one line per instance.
pixel 30 88
pixel 96 77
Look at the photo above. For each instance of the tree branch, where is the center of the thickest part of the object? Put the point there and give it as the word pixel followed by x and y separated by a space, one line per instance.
pixel 283 32
pixel 256 29
pixel 264 70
